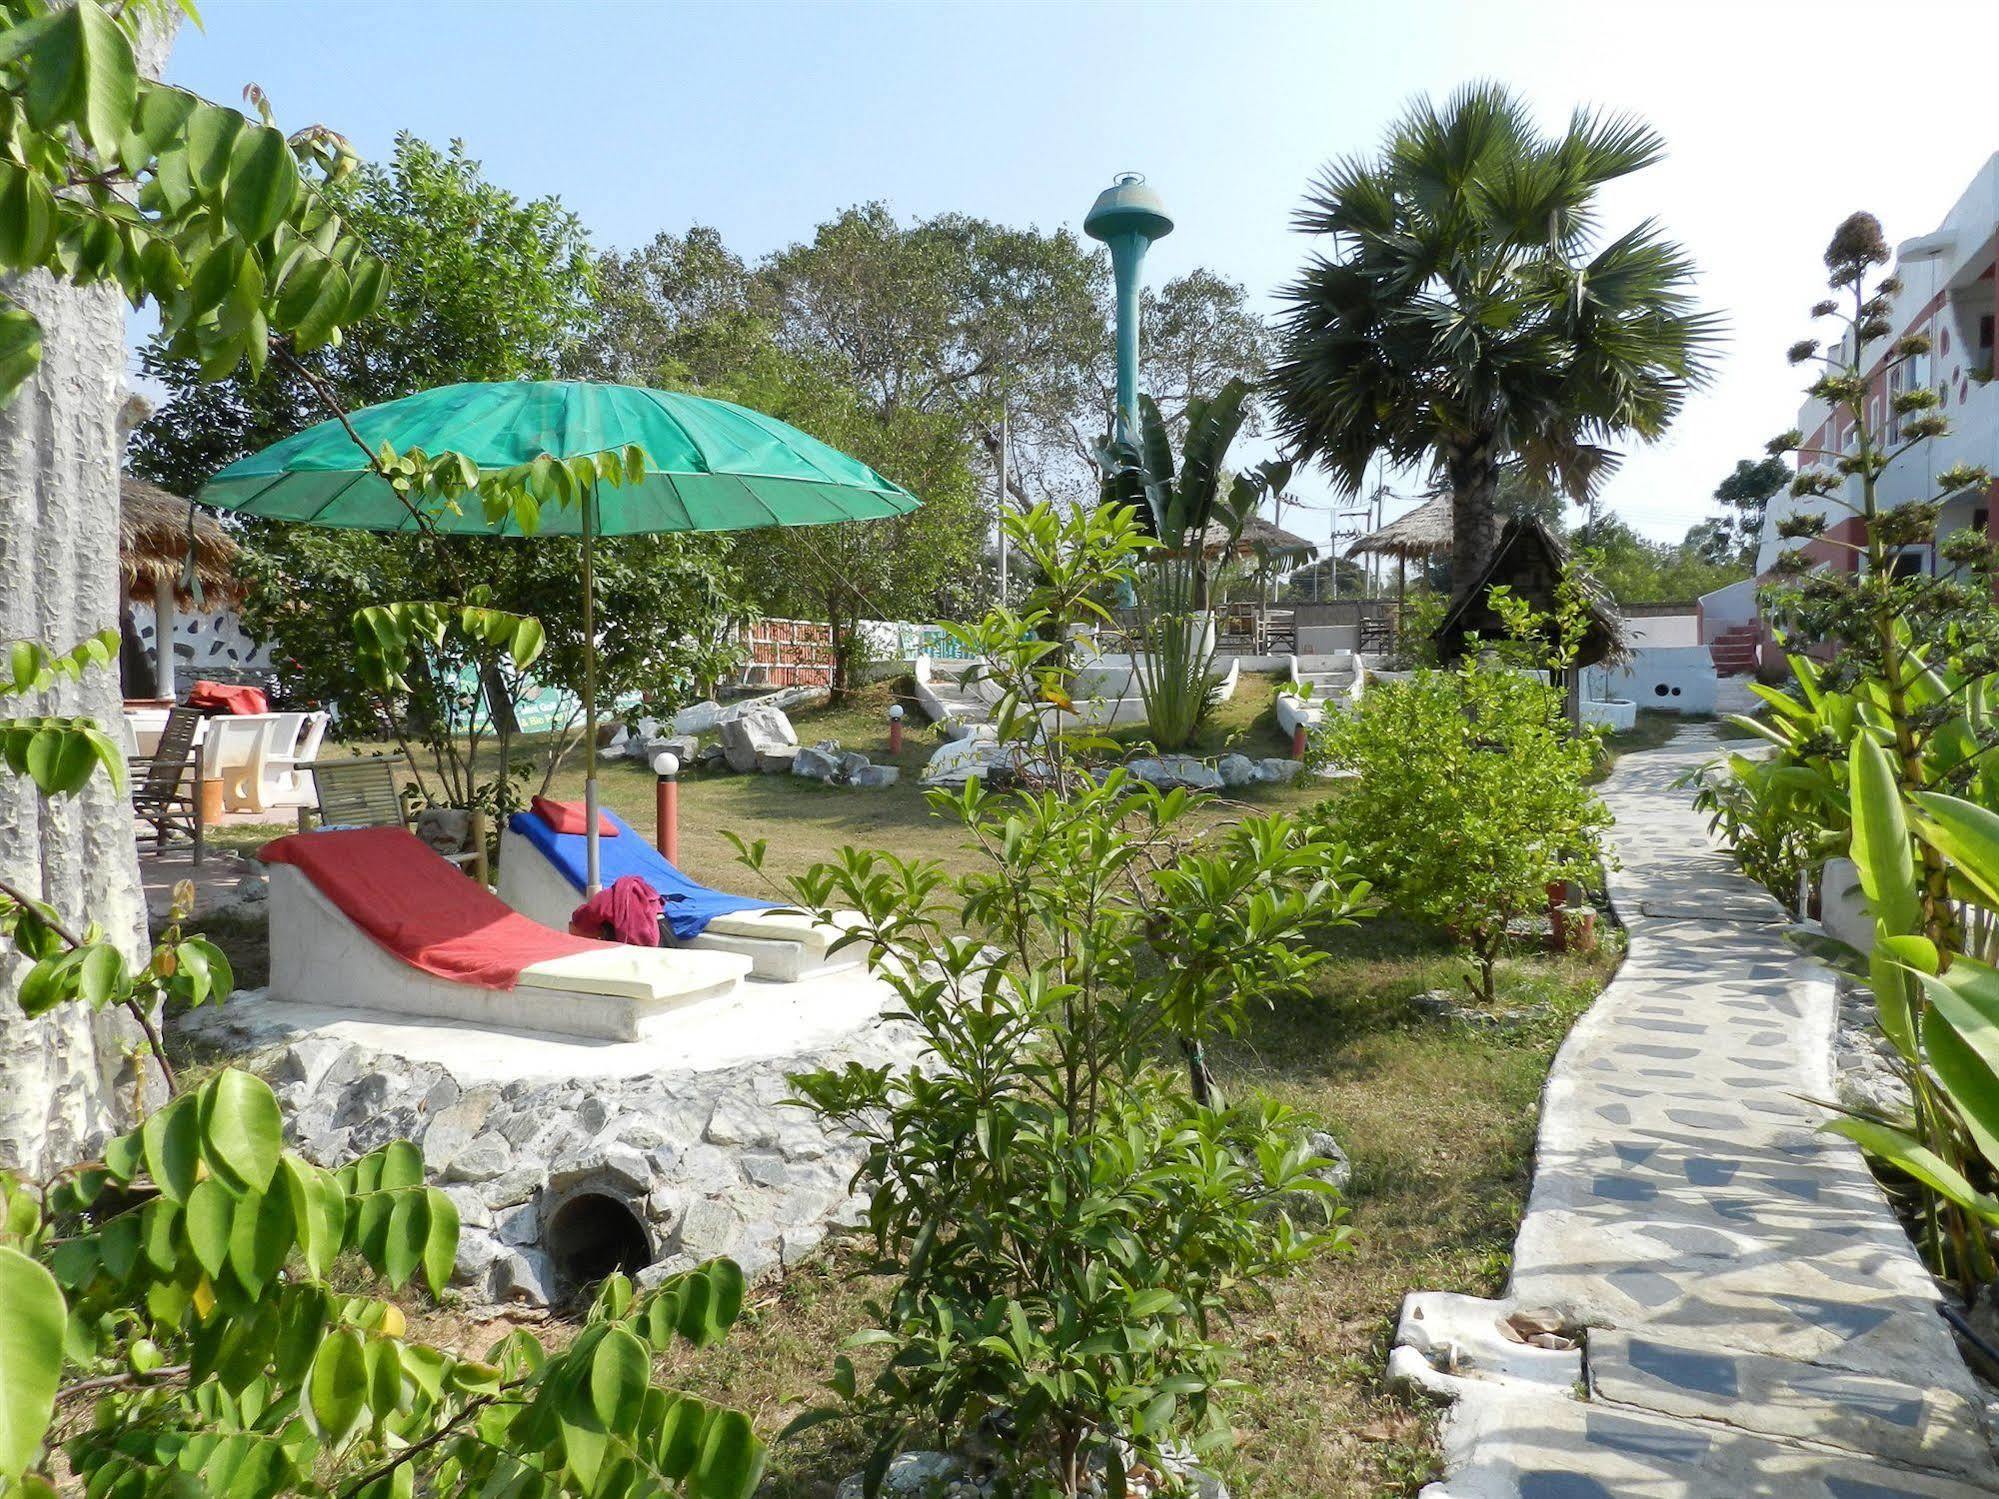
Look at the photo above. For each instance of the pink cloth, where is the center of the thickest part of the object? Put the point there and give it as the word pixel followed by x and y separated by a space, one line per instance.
pixel 628 911
pixel 421 908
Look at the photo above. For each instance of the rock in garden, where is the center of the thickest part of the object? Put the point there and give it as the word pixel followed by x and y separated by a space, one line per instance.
pixel 753 734
pixel 814 763
pixel 1169 771
pixel 1238 770
pixel 911 1475
pixel 1279 769
pixel 777 762
pixel 684 746
pixel 698 718
pixel 852 763
pixel 874 777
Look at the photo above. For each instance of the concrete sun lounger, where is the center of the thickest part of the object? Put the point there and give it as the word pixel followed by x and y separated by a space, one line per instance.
pixel 322 957
pixel 784 944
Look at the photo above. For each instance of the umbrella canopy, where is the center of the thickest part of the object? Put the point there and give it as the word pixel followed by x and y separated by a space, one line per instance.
pixel 710 465
pixel 153 546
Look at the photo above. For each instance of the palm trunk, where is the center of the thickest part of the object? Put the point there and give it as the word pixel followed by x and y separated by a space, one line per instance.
pixel 1473 472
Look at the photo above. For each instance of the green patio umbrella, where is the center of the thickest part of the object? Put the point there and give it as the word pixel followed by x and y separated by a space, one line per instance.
pixel 710 466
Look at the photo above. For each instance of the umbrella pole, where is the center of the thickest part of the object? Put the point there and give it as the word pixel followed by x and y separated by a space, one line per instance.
pixel 592 883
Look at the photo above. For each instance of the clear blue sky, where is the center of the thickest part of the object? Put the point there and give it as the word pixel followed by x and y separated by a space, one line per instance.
pixel 765 119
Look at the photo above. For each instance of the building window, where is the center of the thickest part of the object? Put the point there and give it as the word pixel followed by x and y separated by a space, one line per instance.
pixel 1910 562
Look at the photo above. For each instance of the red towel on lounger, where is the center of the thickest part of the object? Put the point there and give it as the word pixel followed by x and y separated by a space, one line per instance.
pixel 420 907
pixel 628 911
pixel 568 817
pixel 220 697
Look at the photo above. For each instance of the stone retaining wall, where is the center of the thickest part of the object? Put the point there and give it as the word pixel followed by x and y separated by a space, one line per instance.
pixel 708 1163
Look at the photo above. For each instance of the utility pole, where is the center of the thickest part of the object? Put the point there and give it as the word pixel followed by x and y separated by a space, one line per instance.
pixel 999 515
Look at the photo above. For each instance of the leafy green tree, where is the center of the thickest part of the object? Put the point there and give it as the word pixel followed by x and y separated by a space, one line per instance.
pixel 1063 1226
pixel 670 602
pixel 1636 570
pixel 481 286
pixel 1745 495
pixel 1469 801
pixel 1470 314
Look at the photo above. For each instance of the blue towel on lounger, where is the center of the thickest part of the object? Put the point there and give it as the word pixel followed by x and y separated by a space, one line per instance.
pixel 689 906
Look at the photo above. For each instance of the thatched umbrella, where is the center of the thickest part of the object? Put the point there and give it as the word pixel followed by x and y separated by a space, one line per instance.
pixel 1423 533
pixel 153 548
pixel 1259 538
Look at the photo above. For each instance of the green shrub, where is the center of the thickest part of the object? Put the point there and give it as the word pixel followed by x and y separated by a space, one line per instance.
pixel 1469 800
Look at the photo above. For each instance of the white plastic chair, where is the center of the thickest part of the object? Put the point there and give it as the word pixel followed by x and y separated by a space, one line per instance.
pixel 233 752
pixel 285 783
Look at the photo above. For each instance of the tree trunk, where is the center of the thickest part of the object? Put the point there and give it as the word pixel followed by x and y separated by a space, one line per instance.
pixel 67 1080
pixel 1473 472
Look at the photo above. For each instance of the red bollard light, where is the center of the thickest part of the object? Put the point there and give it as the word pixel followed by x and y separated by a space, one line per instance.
pixel 1298 741
pixel 666 805
pixel 895 729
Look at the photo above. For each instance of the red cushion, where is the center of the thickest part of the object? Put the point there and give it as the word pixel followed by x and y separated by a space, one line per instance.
pixel 233 700
pixel 568 817
pixel 420 907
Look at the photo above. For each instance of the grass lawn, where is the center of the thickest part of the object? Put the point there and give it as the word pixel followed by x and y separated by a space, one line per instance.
pixel 1438 1119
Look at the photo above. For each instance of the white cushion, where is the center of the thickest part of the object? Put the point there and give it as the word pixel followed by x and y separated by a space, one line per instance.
pixel 641 973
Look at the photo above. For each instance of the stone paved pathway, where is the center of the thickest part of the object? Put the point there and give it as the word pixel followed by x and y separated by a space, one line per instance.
pixel 1757 1321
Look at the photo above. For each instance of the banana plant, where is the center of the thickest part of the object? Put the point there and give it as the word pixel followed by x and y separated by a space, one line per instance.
pixel 1937 1007
pixel 1182 505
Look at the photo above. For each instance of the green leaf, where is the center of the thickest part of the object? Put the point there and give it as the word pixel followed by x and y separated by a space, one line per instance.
pixel 109 83
pixel 1881 845
pixel 32 1316
pixel 211 1216
pixel 171 1139
pixel 337 1387
pixel 259 1238
pixel 101 977
pixel 1966 834
pixel 1968 1083
pixel 620 1370
pixel 1910 1155
pixel 242 1130
pixel 263 182
pixel 731 1461
pixel 402 1166
pixel 211 140
pixel 20 349
pixel 440 1245
pixel 409 1232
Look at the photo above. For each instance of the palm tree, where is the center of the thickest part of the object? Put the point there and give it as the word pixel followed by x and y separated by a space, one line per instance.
pixel 1471 315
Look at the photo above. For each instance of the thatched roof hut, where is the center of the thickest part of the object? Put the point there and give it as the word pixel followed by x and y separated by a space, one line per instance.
pixel 153 546
pixel 1259 538
pixel 1423 533
pixel 1530 559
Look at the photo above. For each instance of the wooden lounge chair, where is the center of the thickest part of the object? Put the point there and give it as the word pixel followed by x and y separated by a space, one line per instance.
pixel 368 794
pixel 166 790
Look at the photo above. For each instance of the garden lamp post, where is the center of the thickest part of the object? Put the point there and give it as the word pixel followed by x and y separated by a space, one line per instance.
pixel 895 729
pixel 666 805
pixel 1128 216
